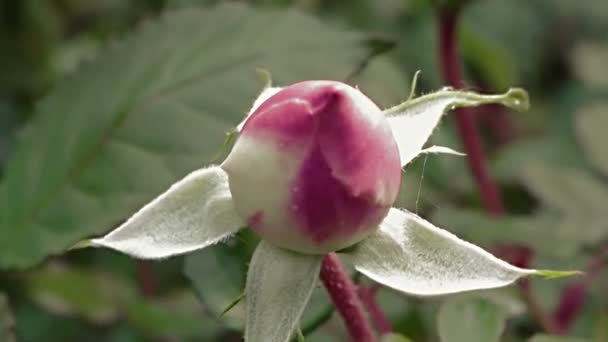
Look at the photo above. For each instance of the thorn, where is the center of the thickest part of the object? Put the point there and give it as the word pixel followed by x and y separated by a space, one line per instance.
pixel 233 304
pixel 265 75
pixel 413 85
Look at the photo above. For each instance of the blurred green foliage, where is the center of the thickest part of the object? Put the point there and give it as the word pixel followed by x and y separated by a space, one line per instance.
pixel 104 103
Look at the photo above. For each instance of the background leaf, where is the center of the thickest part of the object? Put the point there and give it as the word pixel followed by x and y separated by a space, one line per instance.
pixel 568 191
pixel 470 320
pixel 95 297
pixel 590 121
pixel 145 112
pixel 548 338
pixel 101 299
pixel 392 337
pixel 7 320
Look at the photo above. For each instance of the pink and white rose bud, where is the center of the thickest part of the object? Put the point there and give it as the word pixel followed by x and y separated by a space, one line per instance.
pixel 316 167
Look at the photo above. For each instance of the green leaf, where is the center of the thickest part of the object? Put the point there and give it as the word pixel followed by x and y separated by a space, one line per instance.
pixel 492 61
pixel 487 230
pixel 94 296
pixel 279 286
pixel 470 320
pixel 382 82
pixel 600 328
pixel 481 17
pixel 9 123
pixel 507 300
pixel 7 320
pixel 569 191
pixel 101 298
pixel 590 125
pixel 36 324
pixel 552 149
pixel 179 315
pixel 147 111
pixel 548 338
pixel 587 63
pixel 542 232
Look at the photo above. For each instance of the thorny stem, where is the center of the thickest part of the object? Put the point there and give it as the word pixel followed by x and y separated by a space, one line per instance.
pixel 343 293
pixel 450 67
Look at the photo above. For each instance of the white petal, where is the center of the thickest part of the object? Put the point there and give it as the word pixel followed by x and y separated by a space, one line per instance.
pixel 279 285
pixel 413 122
pixel 194 213
pixel 411 255
pixel 265 95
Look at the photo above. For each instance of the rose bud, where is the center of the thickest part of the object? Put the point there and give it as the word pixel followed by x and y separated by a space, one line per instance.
pixel 315 168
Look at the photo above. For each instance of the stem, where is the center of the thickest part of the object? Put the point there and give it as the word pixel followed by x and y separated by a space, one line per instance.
pixel 367 296
pixel 146 278
pixel 450 67
pixel 343 293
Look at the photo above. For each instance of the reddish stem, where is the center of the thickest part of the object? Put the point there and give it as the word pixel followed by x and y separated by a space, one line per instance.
pixel 367 296
pixel 450 67
pixel 498 122
pixel 343 293
pixel 146 279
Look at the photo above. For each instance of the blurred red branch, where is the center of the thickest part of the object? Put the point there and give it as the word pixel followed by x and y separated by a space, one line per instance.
pixel 146 278
pixel 498 122
pixel 367 296
pixel 451 70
